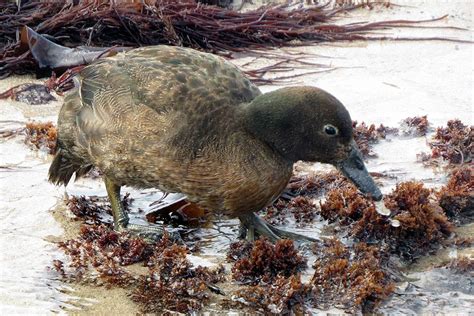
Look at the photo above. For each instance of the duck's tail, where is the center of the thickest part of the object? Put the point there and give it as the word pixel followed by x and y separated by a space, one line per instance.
pixel 62 168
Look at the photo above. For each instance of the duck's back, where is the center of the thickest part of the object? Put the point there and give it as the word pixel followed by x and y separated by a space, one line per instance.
pixel 169 78
pixel 161 101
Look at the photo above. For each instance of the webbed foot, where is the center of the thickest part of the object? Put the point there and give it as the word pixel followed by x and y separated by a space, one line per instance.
pixel 253 226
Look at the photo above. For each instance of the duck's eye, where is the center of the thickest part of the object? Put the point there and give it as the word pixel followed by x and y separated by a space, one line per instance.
pixel 330 130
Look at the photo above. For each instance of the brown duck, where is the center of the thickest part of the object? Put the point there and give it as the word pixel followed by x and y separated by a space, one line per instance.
pixel 190 122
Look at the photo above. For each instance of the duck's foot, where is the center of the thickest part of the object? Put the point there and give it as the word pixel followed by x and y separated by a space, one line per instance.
pixel 252 226
pixel 149 233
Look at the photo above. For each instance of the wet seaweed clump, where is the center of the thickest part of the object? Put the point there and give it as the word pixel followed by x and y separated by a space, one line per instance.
pixel 415 126
pixel 98 255
pixel 354 277
pixel 457 196
pixel 264 261
pixel 270 272
pixel 284 296
pixel 367 135
pixel 454 144
pixel 42 136
pixel 422 222
pixel 173 284
pixel 345 205
pixel 302 208
pixel 91 209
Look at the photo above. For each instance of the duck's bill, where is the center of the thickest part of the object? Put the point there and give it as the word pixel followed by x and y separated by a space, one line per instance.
pixel 354 169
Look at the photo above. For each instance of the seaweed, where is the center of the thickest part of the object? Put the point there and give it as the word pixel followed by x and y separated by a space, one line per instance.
pixel 345 204
pixel 266 261
pixel 179 23
pixel 315 184
pixel 453 144
pixel 284 296
pixel 302 208
pixel 90 209
pixel 42 136
pixel 457 196
pixel 104 251
pixel 99 257
pixel 423 224
pixel 173 284
pixel 367 135
pixel 354 277
pixel 415 126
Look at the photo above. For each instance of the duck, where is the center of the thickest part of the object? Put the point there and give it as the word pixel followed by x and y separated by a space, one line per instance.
pixel 190 122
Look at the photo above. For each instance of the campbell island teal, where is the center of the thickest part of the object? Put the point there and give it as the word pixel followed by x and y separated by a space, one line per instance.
pixel 189 122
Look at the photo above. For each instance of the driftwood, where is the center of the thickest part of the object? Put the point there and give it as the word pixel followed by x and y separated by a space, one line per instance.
pixel 104 23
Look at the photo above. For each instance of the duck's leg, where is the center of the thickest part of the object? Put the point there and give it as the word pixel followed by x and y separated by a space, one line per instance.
pixel 121 220
pixel 255 226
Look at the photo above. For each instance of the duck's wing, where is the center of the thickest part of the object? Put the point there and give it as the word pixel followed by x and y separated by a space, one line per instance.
pixel 168 78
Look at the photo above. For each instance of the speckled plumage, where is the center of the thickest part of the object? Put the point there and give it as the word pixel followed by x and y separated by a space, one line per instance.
pixel 169 118
pixel 190 122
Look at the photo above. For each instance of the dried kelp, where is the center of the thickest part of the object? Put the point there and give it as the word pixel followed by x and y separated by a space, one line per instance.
pixel 183 23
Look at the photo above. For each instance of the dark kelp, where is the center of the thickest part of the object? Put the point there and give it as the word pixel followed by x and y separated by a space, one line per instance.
pixel 183 23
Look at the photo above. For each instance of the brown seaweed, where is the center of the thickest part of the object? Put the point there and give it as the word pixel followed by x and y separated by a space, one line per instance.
pixel 415 126
pixel 41 136
pixel 265 261
pixel 423 224
pixel 367 135
pixel 457 196
pixel 181 23
pixel 453 144
pixel 352 277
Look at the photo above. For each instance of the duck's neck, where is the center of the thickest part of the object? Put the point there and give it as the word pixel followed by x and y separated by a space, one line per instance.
pixel 266 118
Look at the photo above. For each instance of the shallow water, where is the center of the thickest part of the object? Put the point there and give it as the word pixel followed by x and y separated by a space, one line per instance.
pixel 386 83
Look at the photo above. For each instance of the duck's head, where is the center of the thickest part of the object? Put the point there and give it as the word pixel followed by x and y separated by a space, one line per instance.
pixel 309 124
